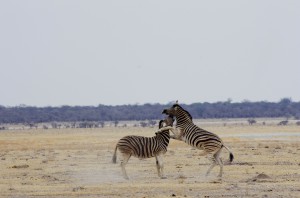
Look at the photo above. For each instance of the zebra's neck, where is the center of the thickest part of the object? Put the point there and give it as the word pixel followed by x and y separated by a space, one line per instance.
pixel 182 119
pixel 163 136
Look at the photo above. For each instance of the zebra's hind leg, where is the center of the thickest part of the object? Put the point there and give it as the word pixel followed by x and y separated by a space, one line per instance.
pixel 215 159
pixel 219 162
pixel 160 166
pixel 221 167
pixel 124 160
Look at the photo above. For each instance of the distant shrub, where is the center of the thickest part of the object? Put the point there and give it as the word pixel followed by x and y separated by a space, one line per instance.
pixel 143 124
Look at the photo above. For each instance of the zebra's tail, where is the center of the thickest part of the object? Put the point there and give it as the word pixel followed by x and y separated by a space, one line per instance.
pixel 114 158
pixel 231 157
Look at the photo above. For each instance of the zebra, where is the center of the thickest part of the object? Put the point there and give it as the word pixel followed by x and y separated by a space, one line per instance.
pixel 145 147
pixel 199 138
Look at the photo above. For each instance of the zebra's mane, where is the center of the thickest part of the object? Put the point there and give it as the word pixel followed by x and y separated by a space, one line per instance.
pixel 177 105
pixel 160 125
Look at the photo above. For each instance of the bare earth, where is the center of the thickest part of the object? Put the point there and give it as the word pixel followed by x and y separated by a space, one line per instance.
pixel 77 163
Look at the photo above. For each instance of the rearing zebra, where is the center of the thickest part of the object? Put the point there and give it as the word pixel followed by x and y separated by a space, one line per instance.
pixel 199 138
pixel 145 147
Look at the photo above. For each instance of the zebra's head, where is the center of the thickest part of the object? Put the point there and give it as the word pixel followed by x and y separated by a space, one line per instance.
pixel 176 110
pixel 166 122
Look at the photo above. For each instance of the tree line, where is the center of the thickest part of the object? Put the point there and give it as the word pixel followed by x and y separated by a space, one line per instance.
pixel 30 114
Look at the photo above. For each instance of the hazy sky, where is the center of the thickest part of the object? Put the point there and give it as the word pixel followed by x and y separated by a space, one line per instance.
pixel 58 52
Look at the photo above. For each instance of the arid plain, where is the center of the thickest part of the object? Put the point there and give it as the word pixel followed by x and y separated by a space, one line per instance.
pixel 77 163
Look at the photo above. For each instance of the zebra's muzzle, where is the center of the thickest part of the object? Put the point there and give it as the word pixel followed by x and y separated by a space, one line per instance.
pixel 165 111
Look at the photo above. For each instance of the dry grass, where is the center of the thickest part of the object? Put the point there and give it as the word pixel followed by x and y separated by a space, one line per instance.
pixel 77 163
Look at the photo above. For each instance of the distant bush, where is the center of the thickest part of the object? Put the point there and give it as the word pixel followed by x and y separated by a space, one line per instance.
pixel 143 124
pixel 101 113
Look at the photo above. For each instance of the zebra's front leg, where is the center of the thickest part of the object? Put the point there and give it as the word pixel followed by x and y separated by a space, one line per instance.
pixel 157 166
pixel 171 129
pixel 160 166
pixel 175 134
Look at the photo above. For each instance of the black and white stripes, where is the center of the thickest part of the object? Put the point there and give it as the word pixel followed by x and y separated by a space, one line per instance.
pixel 199 138
pixel 144 147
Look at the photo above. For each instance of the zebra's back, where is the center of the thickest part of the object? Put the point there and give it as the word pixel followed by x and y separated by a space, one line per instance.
pixel 141 147
pixel 201 139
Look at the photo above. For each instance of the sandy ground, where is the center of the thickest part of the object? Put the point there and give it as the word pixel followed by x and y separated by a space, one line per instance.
pixel 77 163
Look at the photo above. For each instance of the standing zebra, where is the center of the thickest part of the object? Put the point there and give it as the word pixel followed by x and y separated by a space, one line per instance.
pixel 199 138
pixel 145 147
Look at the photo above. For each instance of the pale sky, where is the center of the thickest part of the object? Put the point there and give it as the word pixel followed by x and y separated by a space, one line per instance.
pixel 59 52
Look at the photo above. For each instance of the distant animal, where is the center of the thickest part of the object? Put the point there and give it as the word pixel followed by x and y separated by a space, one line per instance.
pixel 285 122
pixel 251 121
pixel 145 147
pixel 199 138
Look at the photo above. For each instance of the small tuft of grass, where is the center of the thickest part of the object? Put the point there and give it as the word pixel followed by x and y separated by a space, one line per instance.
pixel 20 166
